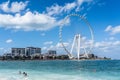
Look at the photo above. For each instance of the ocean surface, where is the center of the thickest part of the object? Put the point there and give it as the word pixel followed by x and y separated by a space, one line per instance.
pixel 61 70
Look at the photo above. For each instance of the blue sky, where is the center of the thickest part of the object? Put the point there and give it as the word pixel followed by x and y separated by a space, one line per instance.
pixel 36 23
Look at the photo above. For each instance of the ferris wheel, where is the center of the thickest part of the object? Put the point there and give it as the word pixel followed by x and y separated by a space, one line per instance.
pixel 77 40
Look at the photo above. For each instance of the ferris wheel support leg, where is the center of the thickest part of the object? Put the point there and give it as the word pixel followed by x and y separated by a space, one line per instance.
pixel 86 53
pixel 78 46
pixel 73 44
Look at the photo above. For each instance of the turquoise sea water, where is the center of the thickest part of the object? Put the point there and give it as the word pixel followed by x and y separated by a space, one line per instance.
pixel 61 70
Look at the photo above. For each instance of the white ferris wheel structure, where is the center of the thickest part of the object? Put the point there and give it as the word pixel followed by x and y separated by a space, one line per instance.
pixel 77 40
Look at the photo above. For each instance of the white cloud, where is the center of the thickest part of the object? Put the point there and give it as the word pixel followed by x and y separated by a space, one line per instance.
pixel 54 9
pixel 113 30
pixel 79 4
pixel 57 9
pixel 13 7
pixel 48 43
pixel 9 41
pixel 116 43
pixel 103 47
pixel 107 48
pixel 108 28
pixel 59 45
pixel 107 45
pixel 69 6
pixel 29 21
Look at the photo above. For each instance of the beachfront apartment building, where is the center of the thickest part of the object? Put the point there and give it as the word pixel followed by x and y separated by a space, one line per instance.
pixel 32 51
pixel 28 51
pixel 18 51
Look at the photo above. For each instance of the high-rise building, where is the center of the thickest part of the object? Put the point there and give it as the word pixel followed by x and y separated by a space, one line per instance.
pixel 29 51
pixel 32 50
pixel 18 51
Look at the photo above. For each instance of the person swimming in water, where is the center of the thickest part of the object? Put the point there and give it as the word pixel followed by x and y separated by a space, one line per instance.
pixel 24 73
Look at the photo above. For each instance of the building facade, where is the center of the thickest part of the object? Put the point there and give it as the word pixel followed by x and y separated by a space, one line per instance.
pixel 18 51
pixel 29 51
pixel 32 51
pixel 52 53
